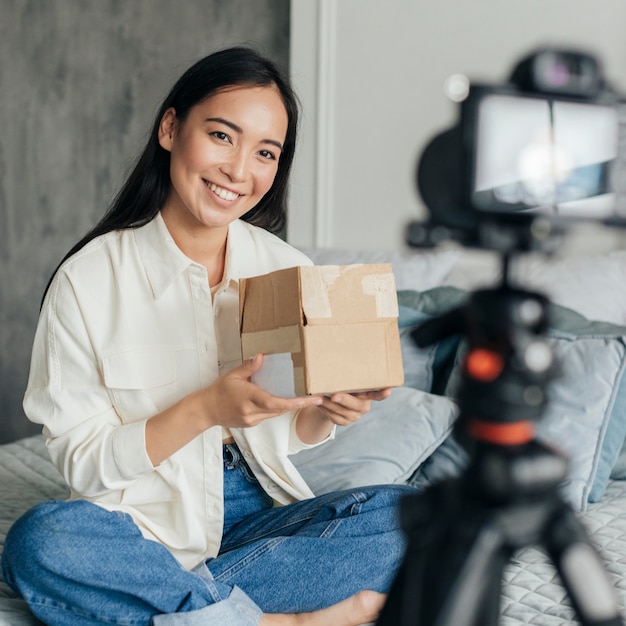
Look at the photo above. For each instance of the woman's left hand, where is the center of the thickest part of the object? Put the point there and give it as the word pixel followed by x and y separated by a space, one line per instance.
pixel 315 423
pixel 344 408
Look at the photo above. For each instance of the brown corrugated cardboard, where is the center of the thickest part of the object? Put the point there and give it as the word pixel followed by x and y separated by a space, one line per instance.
pixel 336 327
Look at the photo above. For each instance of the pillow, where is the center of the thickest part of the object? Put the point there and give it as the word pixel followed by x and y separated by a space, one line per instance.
pixel 418 270
pixel 385 446
pixel 619 469
pixel 417 363
pixel 446 462
pixel 427 368
pixel 586 414
pixel 593 285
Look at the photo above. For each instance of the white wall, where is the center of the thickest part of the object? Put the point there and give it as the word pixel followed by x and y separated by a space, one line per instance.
pixel 370 74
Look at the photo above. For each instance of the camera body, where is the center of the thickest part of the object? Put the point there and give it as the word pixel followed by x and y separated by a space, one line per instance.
pixel 527 158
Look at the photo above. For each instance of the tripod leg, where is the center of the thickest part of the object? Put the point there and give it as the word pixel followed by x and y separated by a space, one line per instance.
pixel 582 571
pixel 474 595
pixel 452 571
pixel 402 607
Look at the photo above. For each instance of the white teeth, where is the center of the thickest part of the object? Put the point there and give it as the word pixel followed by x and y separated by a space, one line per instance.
pixel 224 194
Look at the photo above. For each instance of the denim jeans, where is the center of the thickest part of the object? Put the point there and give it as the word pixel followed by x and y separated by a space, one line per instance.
pixel 76 563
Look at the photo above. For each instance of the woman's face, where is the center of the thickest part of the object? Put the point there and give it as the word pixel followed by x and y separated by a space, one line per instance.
pixel 224 155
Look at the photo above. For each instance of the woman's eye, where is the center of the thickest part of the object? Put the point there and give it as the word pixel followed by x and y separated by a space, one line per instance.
pixel 218 134
pixel 266 154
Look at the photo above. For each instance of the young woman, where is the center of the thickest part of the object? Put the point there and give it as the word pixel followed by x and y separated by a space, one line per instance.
pixel 185 507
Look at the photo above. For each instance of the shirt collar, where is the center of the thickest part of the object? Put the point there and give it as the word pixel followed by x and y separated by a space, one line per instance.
pixel 163 260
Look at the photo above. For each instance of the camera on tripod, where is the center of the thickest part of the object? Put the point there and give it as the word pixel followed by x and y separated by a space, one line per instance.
pixel 526 160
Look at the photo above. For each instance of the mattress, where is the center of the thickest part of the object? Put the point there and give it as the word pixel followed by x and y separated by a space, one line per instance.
pixel 532 593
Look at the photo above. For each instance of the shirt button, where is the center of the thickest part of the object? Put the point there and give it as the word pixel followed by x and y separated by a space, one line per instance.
pixel 271 487
pixel 247 454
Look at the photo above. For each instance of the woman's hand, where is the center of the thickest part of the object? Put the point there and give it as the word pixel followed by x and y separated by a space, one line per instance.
pixel 315 423
pixel 232 401
pixel 344 408
pixel 236 402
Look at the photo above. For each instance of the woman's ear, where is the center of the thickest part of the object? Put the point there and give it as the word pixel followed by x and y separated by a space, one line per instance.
pixel 167 128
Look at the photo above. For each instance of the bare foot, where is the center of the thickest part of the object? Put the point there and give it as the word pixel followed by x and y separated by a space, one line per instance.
pixel 358 609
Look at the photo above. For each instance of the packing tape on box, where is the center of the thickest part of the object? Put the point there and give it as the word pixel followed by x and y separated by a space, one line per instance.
pixel 383 288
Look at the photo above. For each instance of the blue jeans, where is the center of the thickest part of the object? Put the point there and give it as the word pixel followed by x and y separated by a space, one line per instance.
pixel 76 563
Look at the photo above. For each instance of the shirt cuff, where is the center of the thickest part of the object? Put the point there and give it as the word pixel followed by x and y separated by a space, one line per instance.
pixel 129 450
pixel 296 444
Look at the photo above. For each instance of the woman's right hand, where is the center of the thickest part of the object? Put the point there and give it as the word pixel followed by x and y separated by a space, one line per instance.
pixel 236 402
pixel 232 401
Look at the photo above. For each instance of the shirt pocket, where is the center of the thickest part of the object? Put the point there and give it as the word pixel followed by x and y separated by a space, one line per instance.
pixel 141 383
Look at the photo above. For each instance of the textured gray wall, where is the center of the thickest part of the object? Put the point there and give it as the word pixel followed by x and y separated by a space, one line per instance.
pixel 80 81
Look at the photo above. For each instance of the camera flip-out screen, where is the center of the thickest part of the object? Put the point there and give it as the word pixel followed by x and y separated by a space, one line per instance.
pixel 535 154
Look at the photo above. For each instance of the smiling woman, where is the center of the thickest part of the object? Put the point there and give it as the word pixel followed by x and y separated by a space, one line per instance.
pixel 223 159
pixel 182 488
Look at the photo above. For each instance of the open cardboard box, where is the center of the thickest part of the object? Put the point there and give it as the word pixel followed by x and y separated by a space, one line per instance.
pixel 323 328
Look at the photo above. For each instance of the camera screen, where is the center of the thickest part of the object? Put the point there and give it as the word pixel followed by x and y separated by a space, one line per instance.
pixel 541 155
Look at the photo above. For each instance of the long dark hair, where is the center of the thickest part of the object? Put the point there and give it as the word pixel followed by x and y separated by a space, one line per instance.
pixel 145 191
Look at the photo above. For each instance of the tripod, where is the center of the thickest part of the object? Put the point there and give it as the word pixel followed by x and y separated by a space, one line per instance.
pixel 462 532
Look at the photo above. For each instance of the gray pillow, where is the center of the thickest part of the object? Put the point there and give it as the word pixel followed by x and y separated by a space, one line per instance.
pixel 385 446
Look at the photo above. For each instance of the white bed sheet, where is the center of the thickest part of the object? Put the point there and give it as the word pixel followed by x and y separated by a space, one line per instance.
pixel 532 593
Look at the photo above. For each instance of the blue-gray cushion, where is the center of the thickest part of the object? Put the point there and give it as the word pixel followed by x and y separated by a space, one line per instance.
pixel 385 446
pixel 418 363
pixel 619 469
pixel 427 368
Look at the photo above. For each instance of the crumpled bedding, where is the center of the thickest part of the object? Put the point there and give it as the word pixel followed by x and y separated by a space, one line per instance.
pixel 532 593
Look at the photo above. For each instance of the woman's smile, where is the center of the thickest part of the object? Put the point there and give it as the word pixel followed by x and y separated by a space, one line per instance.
pixel 221 192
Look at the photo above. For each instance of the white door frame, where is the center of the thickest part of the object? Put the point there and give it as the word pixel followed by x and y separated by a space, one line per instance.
pixel 312 69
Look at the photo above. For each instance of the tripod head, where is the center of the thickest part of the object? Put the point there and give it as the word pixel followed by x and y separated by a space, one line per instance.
pixel 507 362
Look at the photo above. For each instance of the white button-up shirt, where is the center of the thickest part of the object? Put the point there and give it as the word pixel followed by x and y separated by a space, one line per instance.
pixel 127 329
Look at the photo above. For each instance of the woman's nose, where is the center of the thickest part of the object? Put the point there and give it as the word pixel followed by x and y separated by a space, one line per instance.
pixel 235 167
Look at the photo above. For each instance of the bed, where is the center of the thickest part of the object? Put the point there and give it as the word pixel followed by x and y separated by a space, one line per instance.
pixel 532 592
pixel 408 437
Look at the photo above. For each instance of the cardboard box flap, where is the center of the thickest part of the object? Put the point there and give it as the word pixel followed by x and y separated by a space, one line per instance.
pixel 348 293
pixel 319 294
pixel 279 292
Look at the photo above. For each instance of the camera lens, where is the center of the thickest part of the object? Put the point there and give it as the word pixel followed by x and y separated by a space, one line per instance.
pixel 557 75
